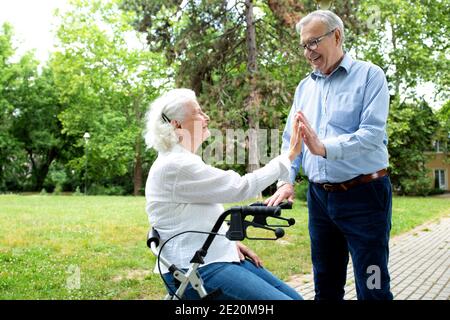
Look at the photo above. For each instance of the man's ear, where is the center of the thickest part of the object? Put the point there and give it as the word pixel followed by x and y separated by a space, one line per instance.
pixel 338 36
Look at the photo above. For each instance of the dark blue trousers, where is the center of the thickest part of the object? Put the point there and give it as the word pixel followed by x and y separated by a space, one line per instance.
pixel 356 221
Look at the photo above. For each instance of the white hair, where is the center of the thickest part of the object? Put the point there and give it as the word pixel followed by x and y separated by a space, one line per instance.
pixel 159 134
pixel 329 18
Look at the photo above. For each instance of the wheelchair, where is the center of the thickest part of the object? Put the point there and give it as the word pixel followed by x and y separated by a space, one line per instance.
pixel 238 224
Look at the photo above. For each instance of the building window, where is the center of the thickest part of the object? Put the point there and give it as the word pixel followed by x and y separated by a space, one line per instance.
pixel 439 179
pixel 440 146
pixel 437 146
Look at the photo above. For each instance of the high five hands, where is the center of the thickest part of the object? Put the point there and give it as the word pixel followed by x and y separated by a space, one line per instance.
pixel 287 190
pixel 301 132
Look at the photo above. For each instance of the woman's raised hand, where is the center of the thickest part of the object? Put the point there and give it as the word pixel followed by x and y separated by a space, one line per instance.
pixel 296 139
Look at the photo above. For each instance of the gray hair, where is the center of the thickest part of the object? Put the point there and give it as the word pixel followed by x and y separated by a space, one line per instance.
pixel 159 134
pixel 329 18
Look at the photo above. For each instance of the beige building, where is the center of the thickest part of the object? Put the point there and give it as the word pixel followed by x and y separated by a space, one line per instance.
pixel 439 165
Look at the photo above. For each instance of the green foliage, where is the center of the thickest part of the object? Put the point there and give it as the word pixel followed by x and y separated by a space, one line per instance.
pixel 101 82
pixel 407 39
pixel 77 192
pixel 205 44
pixel 301 190
pixel 30 135
pixel 37 125
pixel 411 128
pixel 443 133
pixel 436 191
pixel 57 191
pixel 57 178
pixel 108 83
pixel 12 154
pixel 115 190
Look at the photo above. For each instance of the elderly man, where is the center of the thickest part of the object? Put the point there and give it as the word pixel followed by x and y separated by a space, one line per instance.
pixel 343 107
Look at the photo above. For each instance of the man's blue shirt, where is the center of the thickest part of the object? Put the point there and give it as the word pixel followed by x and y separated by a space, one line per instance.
pixel 348 110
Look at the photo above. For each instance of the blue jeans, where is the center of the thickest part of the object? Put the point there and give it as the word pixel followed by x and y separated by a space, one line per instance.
pixel 356 221
pixel 239 281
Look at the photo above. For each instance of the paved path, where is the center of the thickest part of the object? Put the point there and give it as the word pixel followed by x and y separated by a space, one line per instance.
pixel 419 265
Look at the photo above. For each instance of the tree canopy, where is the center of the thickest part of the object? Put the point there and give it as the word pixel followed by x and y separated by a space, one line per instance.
pixel 241 57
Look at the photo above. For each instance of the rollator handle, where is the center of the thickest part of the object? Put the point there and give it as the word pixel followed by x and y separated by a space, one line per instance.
pixel 153 236
pixel 238 224
pixel 236 232
pixel 261 211
pixel 287 205
pixel 262 220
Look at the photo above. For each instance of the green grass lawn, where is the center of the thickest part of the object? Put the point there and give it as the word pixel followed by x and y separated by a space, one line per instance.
pixel 46 240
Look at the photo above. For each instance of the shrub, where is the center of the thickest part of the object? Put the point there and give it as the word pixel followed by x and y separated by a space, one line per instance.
pixel 77 192
pixel 57 190
pixel 114 190
pixel 301 188
pixel 419 186
pixel 436 191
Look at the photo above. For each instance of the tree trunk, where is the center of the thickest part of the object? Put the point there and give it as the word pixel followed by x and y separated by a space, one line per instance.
pixel 39 171
pixel 137 168
pixel 394 46
pixel 137 172
pixel 252 102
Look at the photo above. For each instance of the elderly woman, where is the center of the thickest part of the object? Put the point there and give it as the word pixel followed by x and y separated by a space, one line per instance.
pixel 183 193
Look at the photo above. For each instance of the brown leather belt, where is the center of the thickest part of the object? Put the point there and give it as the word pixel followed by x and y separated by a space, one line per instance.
pixel 344 186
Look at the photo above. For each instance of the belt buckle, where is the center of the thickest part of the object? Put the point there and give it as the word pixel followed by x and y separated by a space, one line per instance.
pixel 327 186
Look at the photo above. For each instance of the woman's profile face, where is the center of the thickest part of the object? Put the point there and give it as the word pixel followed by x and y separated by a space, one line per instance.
pixel 195 123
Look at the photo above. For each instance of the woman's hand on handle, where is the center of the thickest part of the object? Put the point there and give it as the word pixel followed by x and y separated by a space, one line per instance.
pixel 285 192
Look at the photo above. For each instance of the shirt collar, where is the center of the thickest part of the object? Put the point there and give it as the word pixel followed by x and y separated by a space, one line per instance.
pixel 345 64
pixel 178 148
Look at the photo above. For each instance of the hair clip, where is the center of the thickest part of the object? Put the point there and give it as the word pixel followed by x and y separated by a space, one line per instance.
pixel 165 118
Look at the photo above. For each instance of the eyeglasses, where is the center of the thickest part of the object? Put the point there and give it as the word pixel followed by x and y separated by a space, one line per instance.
pixel 314 43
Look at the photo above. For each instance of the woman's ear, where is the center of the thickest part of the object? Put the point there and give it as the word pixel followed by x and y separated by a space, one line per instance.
pixel 175 123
